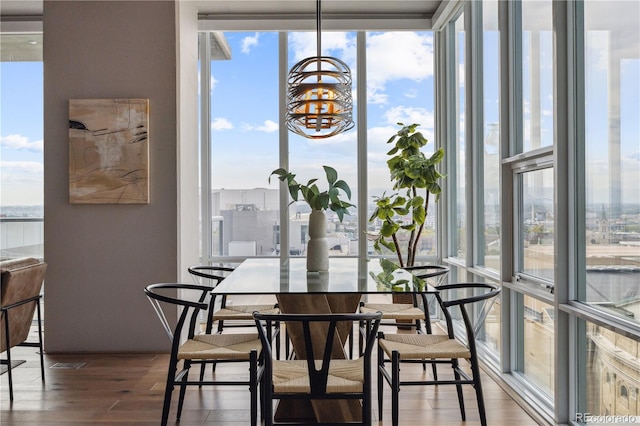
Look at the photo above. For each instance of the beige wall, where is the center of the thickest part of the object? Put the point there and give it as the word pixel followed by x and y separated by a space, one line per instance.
pixel 101 256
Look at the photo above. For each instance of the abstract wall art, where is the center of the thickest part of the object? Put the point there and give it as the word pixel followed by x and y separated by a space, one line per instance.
pixel 109 151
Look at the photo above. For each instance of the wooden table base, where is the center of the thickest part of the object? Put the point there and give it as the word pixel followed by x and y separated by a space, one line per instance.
pixel 319 411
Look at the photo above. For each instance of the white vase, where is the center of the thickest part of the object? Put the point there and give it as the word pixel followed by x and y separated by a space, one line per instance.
pixel 318 246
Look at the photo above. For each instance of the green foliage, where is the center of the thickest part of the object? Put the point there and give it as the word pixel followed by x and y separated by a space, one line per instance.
pixel 316 199
pixel 410 171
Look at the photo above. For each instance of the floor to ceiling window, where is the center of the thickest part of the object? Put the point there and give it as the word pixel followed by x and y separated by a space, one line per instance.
pixel 244 145
pixel 398 91
pixel 587 293
pixel 246 142
pixel 459 185
pixel 21 145
pixel 610 273
pixel 307 156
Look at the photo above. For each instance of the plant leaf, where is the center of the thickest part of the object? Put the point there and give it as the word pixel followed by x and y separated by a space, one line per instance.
pixel 331 173
pixel 343 185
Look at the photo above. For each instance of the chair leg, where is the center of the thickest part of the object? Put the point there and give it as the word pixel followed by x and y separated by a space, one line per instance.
pixel 171 374
pixel 395 387
pixel 268 403
pixel 8 360
pixel 203 367
pixel 454 364
pixel 40 347
pixel 9 373
pixel 253 386
pixel 475 370
pixel 380 381
pixel 183 387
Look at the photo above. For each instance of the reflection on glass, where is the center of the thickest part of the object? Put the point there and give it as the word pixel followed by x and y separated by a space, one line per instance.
pixel 613 374
pixel 538 344
pixel 612 76
pixel 490 332
pixel 537 217
pixel 537 74
pixel 244 147
pixel 307 156
pixel 399 89
pixel 489 198
pixel 459 243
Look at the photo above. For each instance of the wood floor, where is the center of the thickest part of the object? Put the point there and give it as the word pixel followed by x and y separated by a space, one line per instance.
pixel 127 389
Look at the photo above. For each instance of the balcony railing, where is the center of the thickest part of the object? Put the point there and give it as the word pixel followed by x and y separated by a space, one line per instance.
pixel 21 237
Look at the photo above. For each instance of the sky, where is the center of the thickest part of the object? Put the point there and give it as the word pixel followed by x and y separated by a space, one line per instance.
pixel 245 112
pixel 400 89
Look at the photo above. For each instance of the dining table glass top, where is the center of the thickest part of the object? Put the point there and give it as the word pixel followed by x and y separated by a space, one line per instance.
pixel 345 275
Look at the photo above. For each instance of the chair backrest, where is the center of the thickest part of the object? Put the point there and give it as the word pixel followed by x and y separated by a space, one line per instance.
pixel 208 274
pixel 486 298
pixel 21 280
pixel 320 339
pixel 425 272
pixel 193 298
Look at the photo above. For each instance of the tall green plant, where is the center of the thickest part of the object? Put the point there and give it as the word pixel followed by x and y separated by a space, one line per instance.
pixel 316 199
pixel 415 177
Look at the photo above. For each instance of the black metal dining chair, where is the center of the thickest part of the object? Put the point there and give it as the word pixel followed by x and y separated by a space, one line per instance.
pixel 192 348
pixel 442 349
pixel 314 375
pixel 412 314
pixel 228 315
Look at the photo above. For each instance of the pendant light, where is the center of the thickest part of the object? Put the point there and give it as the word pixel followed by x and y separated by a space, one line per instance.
pixel 319 100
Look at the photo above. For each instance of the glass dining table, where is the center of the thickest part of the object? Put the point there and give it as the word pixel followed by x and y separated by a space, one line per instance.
pixel 338 290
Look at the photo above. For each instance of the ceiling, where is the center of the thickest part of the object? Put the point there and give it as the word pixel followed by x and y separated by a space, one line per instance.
pixel 25 45
pixel 424 7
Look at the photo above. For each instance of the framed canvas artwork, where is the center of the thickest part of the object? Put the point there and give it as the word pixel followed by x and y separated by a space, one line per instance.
pixel 109 151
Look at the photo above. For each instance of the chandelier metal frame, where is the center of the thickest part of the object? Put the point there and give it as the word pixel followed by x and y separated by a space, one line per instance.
pixel 319 98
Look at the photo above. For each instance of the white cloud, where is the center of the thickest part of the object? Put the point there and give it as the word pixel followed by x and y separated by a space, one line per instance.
pixel 409 115
pixel 397 55
pixel 411 93
pixel 213 82
pixel 268 126
pixel 10 169
pixel 19 142
pixel 220 123
pixel 249 42
pixel 338 44
pixel 21 182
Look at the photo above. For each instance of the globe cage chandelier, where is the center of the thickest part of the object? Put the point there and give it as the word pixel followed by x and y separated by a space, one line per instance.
pixel 319 100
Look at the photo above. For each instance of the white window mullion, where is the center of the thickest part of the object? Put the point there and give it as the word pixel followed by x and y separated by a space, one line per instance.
pixel 205 147
pixel 283 147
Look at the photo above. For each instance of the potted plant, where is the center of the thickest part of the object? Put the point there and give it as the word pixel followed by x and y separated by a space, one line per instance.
pixel 319 201
pixel 415 177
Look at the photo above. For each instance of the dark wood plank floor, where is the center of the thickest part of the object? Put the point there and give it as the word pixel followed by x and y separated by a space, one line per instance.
pixel 127 389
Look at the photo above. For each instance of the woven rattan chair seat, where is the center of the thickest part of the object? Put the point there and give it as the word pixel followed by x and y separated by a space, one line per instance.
pixel 243 312
pixel 423 346
pixel 393 310
pixel 220 346
pixel 292 376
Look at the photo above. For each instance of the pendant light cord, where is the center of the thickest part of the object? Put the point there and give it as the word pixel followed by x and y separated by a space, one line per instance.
pixel 318 32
